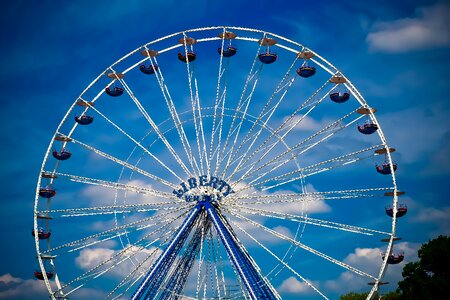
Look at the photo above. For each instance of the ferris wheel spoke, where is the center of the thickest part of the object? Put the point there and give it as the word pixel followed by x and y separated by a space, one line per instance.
pixel 154 127
pixel 125 252
pixel 120 186
pixel 302 147
pixel 256 199
pixel 244 102
pixel 111 233
pixel 309 284
pixel 131 278
pixel 175 116
pixel 235 129
pixel 282 87
pixel 220 98
pixel 200 264
pixel 123 163
pixel 112 209
pixel 221 266
pixel 134 141
pixel 315 168
pixel 306 220
pixel 109 265
pixel 167 236
pixel 196 110
pixel 218 150
pixel 304 247
pixel 218 266
pixel 204 155
pixel 288 125
pixel 113 263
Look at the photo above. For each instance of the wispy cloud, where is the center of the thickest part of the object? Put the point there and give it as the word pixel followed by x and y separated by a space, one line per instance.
pixel 292 285
pixel 24 289
pixel 420 142
pixel 92 257
pixel 8 278
pixel 438 216
pixel 428 29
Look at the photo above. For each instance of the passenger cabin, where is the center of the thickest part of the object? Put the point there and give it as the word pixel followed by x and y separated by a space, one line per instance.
pixel 190 57
pixel 62 155
pixel 336 95
pixel 368 128
pixel 395 258
pixel 385 168
pixel 47 192
pixel 42 234
pixel 306 71
pixel 339 97
pixel 402 209
pixel 115 92
pixel 151 69
pixel 228 51
pixel 267 57
pixel 39 275
pixel 84 120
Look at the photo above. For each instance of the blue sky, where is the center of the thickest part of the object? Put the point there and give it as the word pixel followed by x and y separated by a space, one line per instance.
pixel 395 53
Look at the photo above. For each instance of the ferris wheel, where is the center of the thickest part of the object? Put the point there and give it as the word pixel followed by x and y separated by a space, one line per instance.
pixel 215 163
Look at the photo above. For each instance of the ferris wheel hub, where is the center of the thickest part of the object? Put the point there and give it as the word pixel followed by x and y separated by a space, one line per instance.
pixel 203 188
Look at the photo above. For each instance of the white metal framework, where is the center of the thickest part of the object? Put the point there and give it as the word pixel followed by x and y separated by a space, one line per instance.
pixel 285 167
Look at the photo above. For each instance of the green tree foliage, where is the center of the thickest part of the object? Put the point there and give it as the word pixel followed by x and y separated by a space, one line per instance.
pixel 363 296
pixel 391 296
pixel 428 278
pixel 354 296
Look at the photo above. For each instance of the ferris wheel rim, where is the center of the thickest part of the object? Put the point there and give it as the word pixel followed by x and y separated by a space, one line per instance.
pixel 327 67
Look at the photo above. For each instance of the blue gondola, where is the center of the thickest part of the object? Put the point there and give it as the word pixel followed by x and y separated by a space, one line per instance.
pixel 228 52
pixel 42 234
pixel 40 276
pixel 339 97
pixel 368 128
pixel 386 168
pixel 402 209
pixel 267 57
pixel 84 120
pixel 191 56
pixel 63 155
pixel 394 259
pixel 116 92
pixel 47 192
pixel 306 71
pixel 148 70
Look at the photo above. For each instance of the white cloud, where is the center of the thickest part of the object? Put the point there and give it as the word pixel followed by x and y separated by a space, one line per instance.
pixel 22 289
pixel 292 285
pixel 440 217
pixel 305 123
pixel 369 260
pixel 428 29
pixel 305 204
pixel 100 195
pixel 431 214
pixel 8 278
pixel 419 142
pixel 309 205
pixel 91 257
